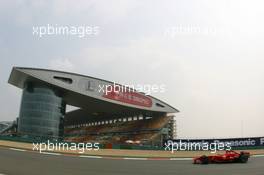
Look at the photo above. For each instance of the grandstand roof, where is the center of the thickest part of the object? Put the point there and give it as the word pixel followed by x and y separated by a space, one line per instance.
pixel 85 92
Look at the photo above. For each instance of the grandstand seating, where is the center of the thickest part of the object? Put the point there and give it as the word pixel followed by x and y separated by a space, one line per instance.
pixel 119 132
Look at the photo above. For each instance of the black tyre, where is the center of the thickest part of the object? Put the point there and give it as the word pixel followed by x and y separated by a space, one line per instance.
pixel 204 159
pixel 243 158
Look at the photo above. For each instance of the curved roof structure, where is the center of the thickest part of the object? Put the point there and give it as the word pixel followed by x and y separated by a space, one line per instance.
pixel 4 126
pixel 92 95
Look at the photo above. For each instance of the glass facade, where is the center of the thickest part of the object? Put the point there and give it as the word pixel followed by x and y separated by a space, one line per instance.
pixel 42 111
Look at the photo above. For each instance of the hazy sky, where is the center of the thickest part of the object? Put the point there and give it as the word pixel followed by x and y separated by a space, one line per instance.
pixel 208 53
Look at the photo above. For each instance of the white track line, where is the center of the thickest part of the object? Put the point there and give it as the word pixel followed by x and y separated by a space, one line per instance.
pixel 125 158
pixel 93 157
pixel 15 149
pixel 180 159
pixel 48 153
pixel 2 174
pixel 260 155
pixel 134 158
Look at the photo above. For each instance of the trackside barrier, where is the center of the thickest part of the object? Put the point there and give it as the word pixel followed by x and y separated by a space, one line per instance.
pixel 102 146
pixel 17 139
pixel 136 147
pixel 254 143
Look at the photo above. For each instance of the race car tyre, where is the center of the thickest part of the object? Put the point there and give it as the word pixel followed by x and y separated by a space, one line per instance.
pixel 204 159
pixel 243 158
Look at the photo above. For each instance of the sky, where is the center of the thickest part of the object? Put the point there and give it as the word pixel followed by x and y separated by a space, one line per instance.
pixel 209 54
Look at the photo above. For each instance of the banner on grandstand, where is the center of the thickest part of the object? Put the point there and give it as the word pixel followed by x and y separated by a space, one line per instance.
pixel 234 142
pixel 126 95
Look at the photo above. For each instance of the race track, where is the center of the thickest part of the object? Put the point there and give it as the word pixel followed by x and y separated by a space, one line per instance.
pixel 14 162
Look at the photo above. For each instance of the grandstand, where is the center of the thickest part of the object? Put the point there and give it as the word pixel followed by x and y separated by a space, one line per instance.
pixel 116 115
pixel 132 130
pixel 6 126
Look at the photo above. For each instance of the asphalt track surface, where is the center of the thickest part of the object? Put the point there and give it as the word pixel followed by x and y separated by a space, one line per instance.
pixel 32 163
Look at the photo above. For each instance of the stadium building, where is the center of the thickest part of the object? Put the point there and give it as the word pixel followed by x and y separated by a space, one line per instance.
pixel 108 112
pixel 5 125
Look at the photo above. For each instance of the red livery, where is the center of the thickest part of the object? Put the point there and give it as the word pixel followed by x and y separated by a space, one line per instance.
pixel 228 157
pixel 128 96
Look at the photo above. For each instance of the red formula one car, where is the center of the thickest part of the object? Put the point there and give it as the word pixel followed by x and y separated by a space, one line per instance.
pixel 228 157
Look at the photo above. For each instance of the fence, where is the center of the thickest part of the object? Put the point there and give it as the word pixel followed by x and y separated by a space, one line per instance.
pixel 238 143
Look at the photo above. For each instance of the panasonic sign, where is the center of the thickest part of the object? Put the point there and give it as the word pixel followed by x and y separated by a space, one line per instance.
pixel 262 141
pixel 233 142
